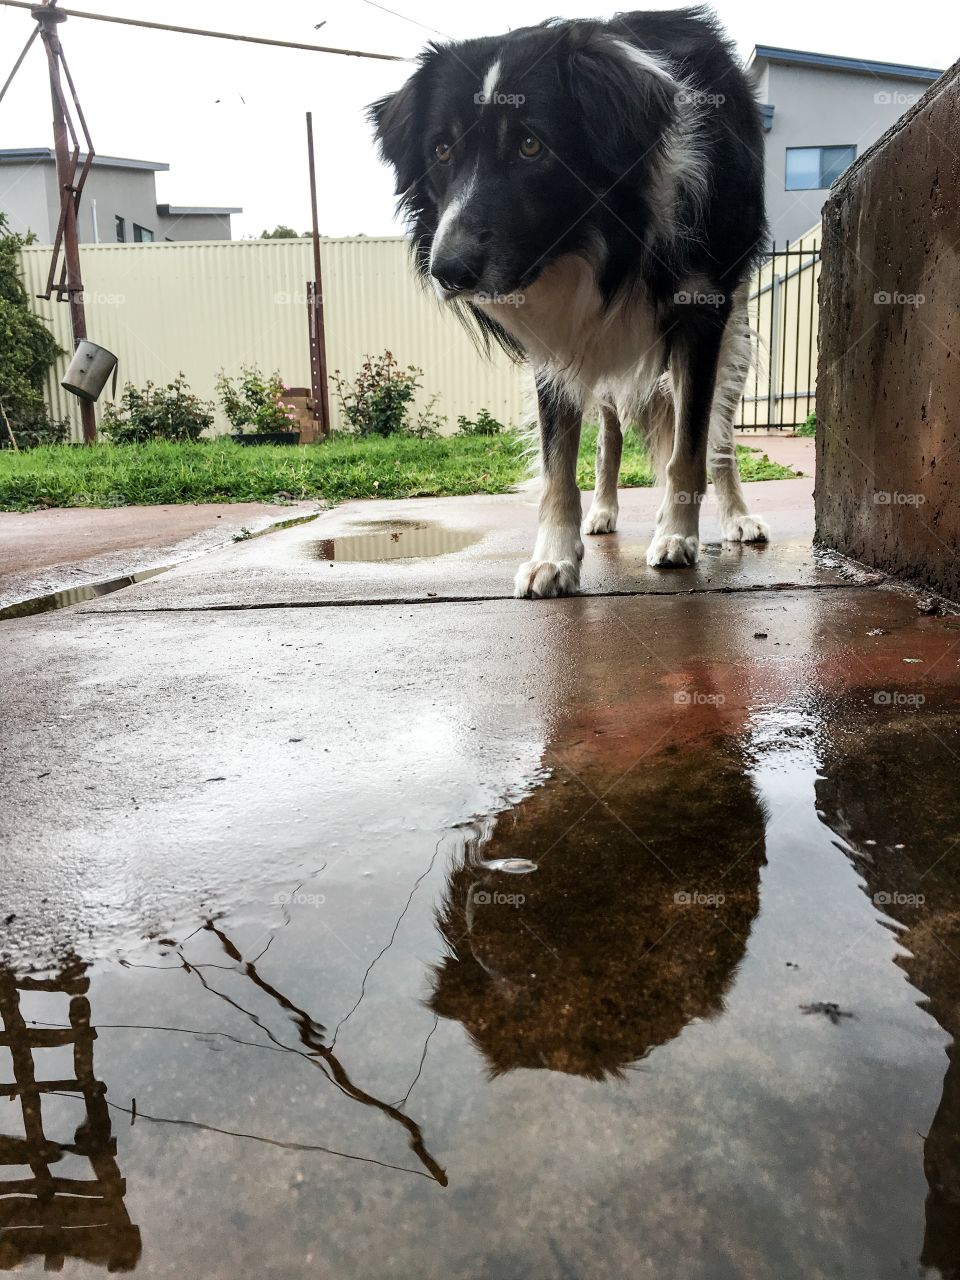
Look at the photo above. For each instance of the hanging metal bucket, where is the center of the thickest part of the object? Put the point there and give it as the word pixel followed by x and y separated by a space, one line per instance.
pixel 89 370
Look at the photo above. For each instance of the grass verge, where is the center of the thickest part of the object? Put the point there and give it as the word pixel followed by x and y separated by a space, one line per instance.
pixel 221 471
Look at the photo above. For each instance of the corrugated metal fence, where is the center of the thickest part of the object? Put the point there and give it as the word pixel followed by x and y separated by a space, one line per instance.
pixel 199 307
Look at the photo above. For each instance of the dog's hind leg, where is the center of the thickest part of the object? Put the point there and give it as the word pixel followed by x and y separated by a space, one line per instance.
pixel 554 569
pixel 736 361
pixel 694 360
pixel 602 516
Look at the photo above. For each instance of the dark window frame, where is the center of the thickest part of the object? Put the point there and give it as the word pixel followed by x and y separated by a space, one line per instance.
pixel 823 150
pixel 120 228
pixel 143 235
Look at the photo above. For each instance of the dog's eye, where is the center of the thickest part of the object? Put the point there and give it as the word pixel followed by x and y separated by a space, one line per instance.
pixel 443 152
pixel 530 148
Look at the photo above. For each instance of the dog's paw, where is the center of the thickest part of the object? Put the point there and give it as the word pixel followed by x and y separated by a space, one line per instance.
pixel 745 529
pixel 543 579
pixel 601 520
pixel 673 551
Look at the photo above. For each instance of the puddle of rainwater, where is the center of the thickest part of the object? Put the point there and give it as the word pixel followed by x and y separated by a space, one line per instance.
pixel 396 542
pixel 371 1079
pixel 77 595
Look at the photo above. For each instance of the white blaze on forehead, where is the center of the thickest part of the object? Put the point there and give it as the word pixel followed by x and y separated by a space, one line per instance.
pixel 490 81
pixel 448 222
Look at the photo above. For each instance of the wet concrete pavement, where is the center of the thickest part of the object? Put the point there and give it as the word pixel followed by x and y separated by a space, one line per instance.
pixel 66 548
pixel 478 937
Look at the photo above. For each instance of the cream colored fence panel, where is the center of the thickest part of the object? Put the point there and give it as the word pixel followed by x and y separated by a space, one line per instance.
pixel 209 305
pixel 784 312
pixel 204 306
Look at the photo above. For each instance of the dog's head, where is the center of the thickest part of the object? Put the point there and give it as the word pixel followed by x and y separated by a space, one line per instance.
pixel 508 149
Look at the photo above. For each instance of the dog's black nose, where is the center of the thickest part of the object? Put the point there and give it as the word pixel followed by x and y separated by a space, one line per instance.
pixel 458 272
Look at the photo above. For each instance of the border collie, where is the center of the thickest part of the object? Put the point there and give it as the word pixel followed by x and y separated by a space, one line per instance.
pixel 589 194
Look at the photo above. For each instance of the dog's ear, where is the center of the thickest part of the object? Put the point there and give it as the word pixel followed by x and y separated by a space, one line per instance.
pixel 624 97
pixel 394 120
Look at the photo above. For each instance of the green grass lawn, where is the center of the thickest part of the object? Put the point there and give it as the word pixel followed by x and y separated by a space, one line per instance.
pixel 221 471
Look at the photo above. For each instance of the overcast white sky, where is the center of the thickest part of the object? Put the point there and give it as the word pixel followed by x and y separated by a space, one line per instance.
pixel 229 119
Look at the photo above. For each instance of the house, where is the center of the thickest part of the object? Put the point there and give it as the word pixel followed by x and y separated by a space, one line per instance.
pixel 119 201
pixel 819 113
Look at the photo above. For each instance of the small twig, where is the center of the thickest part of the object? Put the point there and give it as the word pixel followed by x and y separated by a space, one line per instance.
pixel 6 423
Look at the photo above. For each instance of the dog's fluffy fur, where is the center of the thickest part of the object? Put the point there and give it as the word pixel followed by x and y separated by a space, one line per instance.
pixel 590 196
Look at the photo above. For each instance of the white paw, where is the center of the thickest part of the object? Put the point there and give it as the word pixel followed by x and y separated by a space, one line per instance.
pixel 745 529
pixel 601 520
pixel 673 550
pixel 543 579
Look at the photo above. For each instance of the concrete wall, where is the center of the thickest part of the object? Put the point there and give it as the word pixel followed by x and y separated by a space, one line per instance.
pixel 131 193
pixel 818 108
pixel 888 400
pixel 28 194
pixel 193 226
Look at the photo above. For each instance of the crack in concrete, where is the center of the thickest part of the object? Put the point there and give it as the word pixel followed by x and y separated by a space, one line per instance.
pixel 757 589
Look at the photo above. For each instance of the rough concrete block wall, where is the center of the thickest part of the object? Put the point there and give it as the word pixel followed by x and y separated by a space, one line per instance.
pixel 888 391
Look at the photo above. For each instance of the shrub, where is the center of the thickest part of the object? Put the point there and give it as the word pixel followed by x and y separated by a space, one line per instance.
pixel 27 350
pixel 254 403
pixel 485 424
pixel 378 403
pixel 172 412
pixel 809 428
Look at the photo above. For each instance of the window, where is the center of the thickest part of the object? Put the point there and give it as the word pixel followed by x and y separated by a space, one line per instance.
pixel 121 229
pixel 817 168
pixel 141 234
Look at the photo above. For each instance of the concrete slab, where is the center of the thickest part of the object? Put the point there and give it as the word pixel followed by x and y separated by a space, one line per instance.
pixel 46 551
pixel 469 548
pixel 611 936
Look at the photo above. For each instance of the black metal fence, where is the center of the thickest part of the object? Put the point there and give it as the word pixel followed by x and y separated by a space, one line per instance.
pixel 781 392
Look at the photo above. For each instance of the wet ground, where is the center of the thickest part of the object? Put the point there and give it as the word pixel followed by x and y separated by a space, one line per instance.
pixel 428 933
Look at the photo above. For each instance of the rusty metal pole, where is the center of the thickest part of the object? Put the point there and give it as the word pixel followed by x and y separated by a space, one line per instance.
pixel 318 363
pixel 48 19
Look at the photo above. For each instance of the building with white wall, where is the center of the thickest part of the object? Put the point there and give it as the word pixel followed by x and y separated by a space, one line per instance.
pixel 119 202
pixel 820 112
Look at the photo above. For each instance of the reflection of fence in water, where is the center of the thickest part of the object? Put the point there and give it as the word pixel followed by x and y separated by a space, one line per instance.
pixel 782 390
pixel 45 1214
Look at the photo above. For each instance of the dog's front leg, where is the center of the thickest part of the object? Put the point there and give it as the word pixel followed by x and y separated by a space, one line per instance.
pixel 693 371
pixel 554 569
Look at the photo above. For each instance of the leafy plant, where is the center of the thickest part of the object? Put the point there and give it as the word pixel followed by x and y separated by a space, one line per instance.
pixel 255 403
pixel 485 424
pixel 171 412
pixel 809 428
pixel 27 350
pixel 379 400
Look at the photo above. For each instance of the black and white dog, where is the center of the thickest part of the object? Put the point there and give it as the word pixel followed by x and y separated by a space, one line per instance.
pixel 590 195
